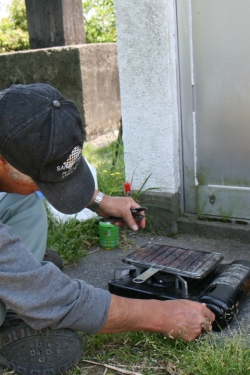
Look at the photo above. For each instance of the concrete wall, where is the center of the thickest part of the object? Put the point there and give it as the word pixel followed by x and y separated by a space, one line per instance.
pixel 148 69
pixel 149 91
pixel 55 23
pixel 86 74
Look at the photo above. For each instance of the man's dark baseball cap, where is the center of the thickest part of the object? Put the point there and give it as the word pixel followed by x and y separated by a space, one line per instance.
pixel 41 135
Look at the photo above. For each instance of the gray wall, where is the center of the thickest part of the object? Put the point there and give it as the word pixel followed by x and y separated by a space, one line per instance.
pixel 86 74
pixel 147 54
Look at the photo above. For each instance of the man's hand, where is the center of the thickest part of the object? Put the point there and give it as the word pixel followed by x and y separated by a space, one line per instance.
pixel 188 319
pixel 175 319
pixel 120 207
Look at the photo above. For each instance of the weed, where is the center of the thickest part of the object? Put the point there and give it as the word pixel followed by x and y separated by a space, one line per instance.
pixel 71 238
pixel 174 234
pixel 225 215
pixel 136 194
pixel 200 209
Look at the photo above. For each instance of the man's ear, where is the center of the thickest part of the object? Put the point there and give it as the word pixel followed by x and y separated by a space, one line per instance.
pixel 2 160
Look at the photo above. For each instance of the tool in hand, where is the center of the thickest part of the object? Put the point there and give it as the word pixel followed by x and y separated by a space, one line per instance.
pixel 134 211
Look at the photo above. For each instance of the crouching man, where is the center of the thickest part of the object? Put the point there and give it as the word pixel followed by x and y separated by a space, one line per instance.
pixel 41 140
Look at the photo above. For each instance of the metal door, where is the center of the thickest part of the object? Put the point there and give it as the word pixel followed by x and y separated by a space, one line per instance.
pixel 214 60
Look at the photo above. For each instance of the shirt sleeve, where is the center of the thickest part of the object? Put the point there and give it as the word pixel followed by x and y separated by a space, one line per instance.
pixel 44 296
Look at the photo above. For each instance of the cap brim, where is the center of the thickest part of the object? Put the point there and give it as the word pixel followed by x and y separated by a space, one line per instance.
pixel 72 195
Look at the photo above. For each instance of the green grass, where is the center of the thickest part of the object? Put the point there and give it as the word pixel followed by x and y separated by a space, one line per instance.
pixel 139 352
pixel 71 238
pixel 109 164
pixel 152 354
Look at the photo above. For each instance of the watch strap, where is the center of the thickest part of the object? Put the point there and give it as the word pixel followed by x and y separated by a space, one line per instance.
pixel 97 201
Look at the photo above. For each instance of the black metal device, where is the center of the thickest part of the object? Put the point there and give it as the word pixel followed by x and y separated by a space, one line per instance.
pixel 156 271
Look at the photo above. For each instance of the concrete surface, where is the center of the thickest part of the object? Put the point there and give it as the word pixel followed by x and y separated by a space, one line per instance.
pixel 98 266
pixel 237 230
pixel 55 23
pixel 149 87
pixel 87 74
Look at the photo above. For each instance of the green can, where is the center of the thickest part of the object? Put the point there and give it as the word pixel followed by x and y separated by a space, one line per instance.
pixel 108 235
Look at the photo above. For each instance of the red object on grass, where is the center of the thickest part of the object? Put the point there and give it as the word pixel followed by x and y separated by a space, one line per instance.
pixel 127 187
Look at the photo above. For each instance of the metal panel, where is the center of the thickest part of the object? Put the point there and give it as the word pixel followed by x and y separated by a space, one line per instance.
pixel 214 67
pixel 175 260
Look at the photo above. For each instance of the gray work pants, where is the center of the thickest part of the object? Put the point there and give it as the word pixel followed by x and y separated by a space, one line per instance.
pixel 27 218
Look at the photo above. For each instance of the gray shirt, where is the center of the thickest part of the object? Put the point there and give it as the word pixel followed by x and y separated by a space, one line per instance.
pixel 43 295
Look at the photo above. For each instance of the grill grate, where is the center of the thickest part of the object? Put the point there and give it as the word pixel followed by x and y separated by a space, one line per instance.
pixel 175 260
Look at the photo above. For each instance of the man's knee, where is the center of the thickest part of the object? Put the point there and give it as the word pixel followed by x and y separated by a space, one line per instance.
pixel 26 216
pixel 21 207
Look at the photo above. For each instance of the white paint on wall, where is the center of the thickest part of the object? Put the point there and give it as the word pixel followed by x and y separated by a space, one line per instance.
pixel 147 54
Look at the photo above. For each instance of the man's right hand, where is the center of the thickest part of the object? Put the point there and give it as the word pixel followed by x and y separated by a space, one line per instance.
pixel 188 319
pixel 176 318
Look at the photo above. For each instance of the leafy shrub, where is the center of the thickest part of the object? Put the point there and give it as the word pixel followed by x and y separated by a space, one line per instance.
pixel 14 29
pixel 99 20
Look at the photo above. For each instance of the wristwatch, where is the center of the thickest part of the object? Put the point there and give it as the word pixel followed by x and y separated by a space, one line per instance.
pixel 95 205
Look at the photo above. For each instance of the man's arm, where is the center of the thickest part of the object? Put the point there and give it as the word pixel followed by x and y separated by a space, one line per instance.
pixel 44 296
pixel 178 318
